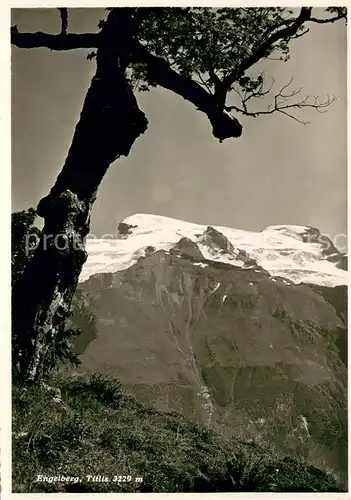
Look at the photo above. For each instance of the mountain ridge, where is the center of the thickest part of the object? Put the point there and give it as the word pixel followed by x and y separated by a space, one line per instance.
pixel 296 253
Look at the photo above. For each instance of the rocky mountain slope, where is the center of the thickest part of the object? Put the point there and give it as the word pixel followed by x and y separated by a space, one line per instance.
pixel 219 326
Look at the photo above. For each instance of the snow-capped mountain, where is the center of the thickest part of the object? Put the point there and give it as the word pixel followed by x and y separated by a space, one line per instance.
pixel 213 323
pixel 245 332
pixel 296 254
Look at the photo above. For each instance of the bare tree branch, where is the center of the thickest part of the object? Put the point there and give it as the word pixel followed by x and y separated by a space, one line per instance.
pixel 341 14
pixel 54 42
pixel 299 35
pixel 64 20
pixel 288 22
pixel 204 83
pixel 325 21
pixel 71 40
pixel 259 93
pixel 281 102
pixel 215 79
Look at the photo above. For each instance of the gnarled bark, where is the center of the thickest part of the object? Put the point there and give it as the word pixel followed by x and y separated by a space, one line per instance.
pixel 109 124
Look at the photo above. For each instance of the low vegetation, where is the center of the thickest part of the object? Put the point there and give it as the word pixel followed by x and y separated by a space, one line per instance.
pixel 84 426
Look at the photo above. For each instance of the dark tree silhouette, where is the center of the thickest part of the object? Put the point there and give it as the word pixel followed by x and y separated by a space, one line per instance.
pixel 201 54
pixel 24 239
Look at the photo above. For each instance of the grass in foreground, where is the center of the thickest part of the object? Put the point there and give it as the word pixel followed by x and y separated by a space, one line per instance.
pixel 94 429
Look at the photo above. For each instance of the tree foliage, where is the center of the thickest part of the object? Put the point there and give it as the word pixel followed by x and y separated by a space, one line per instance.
pixel 205 41
pixel 201 41
pixel 199 52
pixel 216 47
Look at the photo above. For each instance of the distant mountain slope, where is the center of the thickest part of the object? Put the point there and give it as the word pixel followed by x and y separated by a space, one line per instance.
pixel 245 353
pixel 295 253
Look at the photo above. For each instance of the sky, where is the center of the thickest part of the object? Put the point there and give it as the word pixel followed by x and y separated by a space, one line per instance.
pixel 278 172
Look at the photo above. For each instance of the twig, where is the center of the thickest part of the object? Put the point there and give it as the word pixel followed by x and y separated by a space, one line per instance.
pixel 280 103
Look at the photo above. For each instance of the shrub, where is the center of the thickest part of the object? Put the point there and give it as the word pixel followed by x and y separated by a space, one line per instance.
pixel 107 391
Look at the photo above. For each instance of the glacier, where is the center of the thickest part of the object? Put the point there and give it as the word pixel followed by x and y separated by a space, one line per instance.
pixel 297 254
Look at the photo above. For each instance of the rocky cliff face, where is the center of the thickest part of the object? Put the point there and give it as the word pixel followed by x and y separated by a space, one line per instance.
pixel 244 352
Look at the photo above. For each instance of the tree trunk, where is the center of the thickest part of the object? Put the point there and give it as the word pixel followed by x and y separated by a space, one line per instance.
pixel 109 124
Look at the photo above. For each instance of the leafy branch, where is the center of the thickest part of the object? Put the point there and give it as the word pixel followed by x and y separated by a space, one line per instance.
pixel 199 53
pixel 261 50
pixel 288 29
